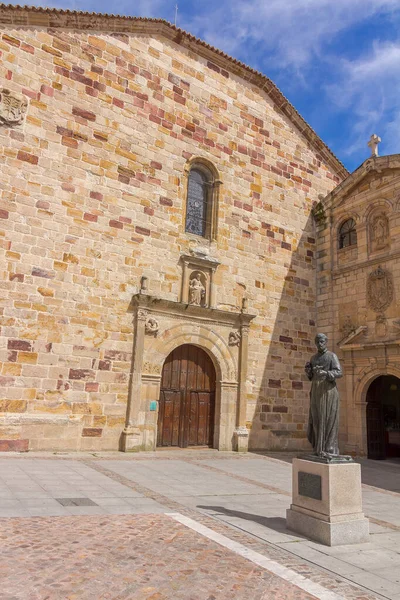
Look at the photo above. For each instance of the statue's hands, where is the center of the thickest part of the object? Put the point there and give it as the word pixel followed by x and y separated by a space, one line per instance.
pixel 321 373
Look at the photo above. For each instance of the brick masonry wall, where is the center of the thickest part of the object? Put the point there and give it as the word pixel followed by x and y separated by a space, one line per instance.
pixel 92 197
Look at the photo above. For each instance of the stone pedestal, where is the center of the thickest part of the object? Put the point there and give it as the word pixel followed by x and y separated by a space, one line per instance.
pixel 326 503
pixel 130 439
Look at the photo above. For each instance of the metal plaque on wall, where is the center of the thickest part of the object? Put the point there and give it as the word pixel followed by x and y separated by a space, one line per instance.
pixel 310 485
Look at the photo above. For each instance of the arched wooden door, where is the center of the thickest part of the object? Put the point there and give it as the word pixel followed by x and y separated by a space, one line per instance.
pixel 383 417
pixel 187 399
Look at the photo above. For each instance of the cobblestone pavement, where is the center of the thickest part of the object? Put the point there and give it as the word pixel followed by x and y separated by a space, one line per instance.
pixel 147 557
pixel 84 526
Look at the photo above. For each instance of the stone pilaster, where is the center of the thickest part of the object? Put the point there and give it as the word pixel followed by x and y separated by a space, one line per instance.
pixel 131 435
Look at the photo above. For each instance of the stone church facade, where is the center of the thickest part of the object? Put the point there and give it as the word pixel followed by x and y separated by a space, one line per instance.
pixel 358 292
pixel 159 269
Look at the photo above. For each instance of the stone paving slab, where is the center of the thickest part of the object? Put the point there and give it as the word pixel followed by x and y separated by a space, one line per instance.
pixel 243 497
pixel 327 577
pixel 136 557
pixel 263 514
pixel 32 487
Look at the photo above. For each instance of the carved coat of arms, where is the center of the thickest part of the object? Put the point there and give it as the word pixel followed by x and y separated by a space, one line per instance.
pixel 379 289
pixel 12 107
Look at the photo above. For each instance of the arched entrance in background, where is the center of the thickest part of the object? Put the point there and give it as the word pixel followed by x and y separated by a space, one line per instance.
pixel 187 399
pixel 383 417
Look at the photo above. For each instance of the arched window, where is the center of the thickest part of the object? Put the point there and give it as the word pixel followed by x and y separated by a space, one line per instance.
pixel 199 199
pixel 348 234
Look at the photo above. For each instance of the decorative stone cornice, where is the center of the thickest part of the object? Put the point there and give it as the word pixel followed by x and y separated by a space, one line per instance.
pixel 200 260
pixel 352 337
pixel 171 309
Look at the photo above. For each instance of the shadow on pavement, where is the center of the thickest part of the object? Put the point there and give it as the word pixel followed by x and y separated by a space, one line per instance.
pixel 383 474
pixel 276 523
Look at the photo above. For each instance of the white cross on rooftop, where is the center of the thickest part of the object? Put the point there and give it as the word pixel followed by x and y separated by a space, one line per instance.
pixel 373 144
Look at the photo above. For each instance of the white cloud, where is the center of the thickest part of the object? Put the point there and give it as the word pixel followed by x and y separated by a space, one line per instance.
pixel 290 32
pixel 370 89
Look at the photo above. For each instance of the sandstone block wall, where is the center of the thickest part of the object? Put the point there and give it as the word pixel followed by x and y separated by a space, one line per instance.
pixel 343 302
pixel 92 196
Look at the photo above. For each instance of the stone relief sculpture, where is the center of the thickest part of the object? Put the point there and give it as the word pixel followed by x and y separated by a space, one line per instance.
pixel 323 425
pixel 379 232
pixel 197 290
pixel 151 369
pixel 379 289
pixel 234 338
pixel 13 107
pixel 151 326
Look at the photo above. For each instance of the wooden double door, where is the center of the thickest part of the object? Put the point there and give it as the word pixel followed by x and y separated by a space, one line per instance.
pixel 187 399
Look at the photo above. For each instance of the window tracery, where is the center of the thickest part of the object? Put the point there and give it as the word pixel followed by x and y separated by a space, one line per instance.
pixel 202 198
pixel 348 234
pixel 197 209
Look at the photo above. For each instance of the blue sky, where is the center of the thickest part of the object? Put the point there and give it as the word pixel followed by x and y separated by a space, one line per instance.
pixel 338 61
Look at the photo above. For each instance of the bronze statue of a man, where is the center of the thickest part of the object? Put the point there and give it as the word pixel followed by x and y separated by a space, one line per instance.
pixel 323 425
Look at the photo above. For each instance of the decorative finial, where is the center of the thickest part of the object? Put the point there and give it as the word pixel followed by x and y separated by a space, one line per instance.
pixel 374 140
pixel 144 284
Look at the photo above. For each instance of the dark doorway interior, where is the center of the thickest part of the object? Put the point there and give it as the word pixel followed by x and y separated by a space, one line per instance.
pixel 383 417
pixel 187 399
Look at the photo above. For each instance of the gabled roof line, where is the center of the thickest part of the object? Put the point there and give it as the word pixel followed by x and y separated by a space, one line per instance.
pixel 377 164
pixel 33 16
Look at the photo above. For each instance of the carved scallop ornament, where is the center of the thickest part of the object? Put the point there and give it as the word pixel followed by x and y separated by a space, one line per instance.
pixel 379 289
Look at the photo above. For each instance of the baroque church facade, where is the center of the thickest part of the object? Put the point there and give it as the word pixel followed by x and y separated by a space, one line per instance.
pixel 172 234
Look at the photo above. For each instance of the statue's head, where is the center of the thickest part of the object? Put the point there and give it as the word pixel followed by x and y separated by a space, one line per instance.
pixel 321 341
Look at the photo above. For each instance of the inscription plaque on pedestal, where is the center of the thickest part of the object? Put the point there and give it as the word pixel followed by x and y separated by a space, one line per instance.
pixel 310 485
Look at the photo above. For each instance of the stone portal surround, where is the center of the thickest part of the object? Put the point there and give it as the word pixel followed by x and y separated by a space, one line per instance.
pixel 180 323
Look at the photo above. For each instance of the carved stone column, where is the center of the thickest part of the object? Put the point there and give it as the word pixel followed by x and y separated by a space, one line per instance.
pixel 130 438
pixel 212 289
pixel 241 431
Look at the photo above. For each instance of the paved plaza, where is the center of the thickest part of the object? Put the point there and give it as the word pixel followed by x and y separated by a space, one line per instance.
pixel 191 525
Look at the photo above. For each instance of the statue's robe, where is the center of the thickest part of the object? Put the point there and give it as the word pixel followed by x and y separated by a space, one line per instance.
pixel 323 424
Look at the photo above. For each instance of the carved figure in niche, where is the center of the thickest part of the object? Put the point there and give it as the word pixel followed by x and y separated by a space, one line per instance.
pixel 12 107
pixel 379 289
pixel 323 424
pixel 151 327
pixel 234 338
pixel 197 290
pixel 379 230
